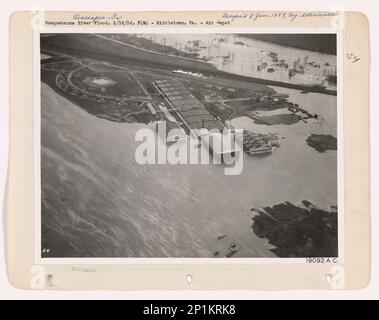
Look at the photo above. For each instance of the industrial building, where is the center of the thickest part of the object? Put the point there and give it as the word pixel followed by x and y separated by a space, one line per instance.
pixel 191 111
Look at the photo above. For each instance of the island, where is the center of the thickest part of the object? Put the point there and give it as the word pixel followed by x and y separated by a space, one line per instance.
pixel 322 142
pixel 298 231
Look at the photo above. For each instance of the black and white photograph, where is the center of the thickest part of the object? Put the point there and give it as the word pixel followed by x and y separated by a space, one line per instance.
pixel 188 145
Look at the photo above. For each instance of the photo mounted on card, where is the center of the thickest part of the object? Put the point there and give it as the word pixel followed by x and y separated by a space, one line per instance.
pixel 188 150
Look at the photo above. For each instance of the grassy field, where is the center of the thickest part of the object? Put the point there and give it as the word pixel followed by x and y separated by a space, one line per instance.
pixel 106 108
pixel 125 84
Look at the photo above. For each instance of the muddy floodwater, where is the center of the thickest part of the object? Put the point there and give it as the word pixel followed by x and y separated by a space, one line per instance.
pixel 249 57
pixel 98 202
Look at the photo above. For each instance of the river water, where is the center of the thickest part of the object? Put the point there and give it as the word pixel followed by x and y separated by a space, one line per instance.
pixel 100 202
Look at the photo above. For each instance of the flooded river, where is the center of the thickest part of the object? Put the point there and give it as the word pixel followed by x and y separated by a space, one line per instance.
pixel 249 57
pixel 97 201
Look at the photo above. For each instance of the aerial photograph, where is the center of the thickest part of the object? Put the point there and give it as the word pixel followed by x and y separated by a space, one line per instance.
pixel 98 90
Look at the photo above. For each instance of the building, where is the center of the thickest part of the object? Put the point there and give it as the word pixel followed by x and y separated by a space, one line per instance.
pixel 190 110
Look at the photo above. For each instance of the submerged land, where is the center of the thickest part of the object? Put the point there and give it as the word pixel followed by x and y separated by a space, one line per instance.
pixel 298 231
pixel 322 142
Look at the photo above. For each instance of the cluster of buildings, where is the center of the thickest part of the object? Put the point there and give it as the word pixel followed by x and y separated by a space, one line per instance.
pixel 191 111
pixel 194 116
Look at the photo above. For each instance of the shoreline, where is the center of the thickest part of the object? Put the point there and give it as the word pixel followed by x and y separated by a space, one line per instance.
pixel 305 88
pixel 206 68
